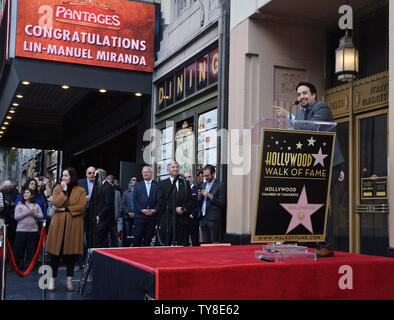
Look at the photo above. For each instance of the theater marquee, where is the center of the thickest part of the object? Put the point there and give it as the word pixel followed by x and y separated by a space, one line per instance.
pixel 114 34
pixel 190 79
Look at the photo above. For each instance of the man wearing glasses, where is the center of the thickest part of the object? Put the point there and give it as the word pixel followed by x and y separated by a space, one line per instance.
pixel 88 184
pixel 212 197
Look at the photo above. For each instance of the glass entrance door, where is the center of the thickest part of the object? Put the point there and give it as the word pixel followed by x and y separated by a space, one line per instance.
pixel 340 190
pixel 371 183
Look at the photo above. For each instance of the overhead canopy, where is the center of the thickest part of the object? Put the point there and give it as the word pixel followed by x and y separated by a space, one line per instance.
pixel 319 13
pixel 39 118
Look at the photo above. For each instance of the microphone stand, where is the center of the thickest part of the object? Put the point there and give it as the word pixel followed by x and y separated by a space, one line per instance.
pixel 96 198
pixel 91 233
pixel 178 177
pixel 174 212
pixel 291 108
pixel 168 213
pixel 173 186
pixel 185 184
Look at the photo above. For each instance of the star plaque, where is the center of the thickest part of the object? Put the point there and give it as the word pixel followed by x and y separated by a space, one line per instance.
pixel 293 191
pixel 301 212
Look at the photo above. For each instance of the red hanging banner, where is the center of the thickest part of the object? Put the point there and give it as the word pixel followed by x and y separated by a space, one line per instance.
pixel 114 34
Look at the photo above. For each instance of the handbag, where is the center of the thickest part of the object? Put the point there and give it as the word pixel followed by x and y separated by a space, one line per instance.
pixel 50 211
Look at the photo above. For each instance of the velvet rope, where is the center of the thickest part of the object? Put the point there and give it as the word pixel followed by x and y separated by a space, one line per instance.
pixel 33 262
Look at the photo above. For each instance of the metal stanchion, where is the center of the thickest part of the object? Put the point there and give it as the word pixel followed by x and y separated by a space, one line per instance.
pixel 85 272
pixel 44 224
pixel 4 245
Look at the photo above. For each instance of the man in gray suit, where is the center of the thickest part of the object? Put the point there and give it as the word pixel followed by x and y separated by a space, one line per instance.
pixel 212 198
pixel 315 110
pixel 312 109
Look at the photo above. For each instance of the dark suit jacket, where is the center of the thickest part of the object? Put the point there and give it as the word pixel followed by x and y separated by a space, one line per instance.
pixel 142 201
pixel 126 203
pixel 320 111
pixel 214 208
pixel 183 199
pixel 195 208
pixel 106 203
pixel 83 183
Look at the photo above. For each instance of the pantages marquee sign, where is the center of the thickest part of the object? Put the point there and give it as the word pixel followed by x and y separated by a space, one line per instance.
pixel 115 34
pixel 87 15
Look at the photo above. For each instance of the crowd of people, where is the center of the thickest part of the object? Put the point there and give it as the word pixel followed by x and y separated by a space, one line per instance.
pixel 22 208
pixel 86 213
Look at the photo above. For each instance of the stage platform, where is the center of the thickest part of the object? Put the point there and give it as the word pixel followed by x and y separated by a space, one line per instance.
pixel 232 273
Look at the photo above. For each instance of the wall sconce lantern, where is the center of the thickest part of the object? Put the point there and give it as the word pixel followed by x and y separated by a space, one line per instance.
pixel 346 59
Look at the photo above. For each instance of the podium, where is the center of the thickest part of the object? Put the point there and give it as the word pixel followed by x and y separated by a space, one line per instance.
pixel 294 182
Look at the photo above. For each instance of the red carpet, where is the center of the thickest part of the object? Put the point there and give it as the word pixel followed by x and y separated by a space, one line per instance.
pixel 232 272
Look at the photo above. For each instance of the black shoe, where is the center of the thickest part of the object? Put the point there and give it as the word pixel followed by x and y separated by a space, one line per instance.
pixel 324 253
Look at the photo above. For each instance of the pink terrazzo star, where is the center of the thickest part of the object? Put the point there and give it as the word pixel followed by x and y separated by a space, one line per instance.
pixel 301 212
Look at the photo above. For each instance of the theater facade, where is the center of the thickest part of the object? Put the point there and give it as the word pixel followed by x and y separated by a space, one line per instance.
pixel 188 109
pixel 271 50
pixel 76 78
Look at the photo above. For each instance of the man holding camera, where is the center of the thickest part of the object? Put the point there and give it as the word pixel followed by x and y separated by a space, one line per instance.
pixel 212 197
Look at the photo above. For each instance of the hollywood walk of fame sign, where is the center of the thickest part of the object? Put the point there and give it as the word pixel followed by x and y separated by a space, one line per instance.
pixel 295 176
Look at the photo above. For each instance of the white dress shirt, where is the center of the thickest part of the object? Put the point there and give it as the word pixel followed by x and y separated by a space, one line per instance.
pixel 148 186
pixel 176 184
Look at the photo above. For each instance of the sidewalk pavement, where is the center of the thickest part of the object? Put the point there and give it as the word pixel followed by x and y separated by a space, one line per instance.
pixel 27 288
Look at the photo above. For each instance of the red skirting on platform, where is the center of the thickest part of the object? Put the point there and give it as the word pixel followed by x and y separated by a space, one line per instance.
pixel 232 272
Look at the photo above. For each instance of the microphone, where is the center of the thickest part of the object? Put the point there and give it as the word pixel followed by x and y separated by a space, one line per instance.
pixel 182 178
pixel 99 180
pixel 291 107
pixel 261 257
pixel 178 177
